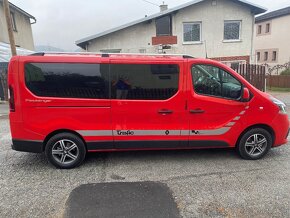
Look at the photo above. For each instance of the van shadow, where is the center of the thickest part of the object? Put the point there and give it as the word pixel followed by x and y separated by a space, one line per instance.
pixel 177 161
pixel 225 153
pixel 207 157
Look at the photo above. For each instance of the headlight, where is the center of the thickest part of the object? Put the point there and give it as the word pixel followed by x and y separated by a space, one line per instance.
pixel 280 104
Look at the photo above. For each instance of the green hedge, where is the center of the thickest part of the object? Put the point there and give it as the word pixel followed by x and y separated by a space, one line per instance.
pixel 286 72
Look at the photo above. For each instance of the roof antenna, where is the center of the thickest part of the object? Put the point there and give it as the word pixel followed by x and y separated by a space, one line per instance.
pixel 152 3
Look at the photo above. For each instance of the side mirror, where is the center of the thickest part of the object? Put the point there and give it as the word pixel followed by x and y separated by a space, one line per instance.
pixel 246 95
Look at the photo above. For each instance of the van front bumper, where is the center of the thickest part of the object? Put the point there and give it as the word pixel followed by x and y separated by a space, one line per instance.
pixel 280 125
pixel 27 146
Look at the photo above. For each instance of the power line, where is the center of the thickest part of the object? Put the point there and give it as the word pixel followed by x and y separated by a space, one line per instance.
pixel 150 3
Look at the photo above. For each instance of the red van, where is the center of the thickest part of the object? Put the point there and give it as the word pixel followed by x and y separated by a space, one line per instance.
pixel 69 104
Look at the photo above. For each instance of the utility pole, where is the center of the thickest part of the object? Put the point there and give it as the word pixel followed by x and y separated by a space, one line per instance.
pixel 9 27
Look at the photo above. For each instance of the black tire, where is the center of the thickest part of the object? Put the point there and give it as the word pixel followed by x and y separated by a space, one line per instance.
pixel 250 146
pixel 63 158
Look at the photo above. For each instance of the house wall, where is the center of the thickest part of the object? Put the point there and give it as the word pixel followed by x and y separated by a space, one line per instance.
pixel 212 18
pixel 138 37
pixel 129 40
pixel 276 40
pixel 23 35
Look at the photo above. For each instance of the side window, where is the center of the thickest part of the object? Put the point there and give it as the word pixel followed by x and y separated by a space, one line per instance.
pixel 66 80
pixel 213 81
pixel 144 81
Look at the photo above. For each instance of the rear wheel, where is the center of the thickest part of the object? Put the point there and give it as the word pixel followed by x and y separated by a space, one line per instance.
pixel 65 150
pixel 255 144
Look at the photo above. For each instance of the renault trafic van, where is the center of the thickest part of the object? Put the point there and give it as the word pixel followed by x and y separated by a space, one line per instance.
pixel 67 105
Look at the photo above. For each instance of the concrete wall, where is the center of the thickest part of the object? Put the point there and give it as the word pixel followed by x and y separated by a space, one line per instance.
pixel 138 37
pixel 276 40
pixel 23 35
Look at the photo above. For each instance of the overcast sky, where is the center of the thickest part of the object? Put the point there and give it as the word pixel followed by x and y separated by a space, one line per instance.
pixel 61 22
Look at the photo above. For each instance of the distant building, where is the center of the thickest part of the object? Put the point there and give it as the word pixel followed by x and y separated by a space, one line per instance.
pixel 272 37
pixel 21 22
pixel 217 29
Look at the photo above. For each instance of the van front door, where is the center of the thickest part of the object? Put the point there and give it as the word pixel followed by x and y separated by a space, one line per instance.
pixel 215 111
pixel 147 104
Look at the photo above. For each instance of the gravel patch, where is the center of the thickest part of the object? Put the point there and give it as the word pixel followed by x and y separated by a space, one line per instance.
pixel 204 183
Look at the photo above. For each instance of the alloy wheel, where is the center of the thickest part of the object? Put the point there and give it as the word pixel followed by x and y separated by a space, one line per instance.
pixel 256 144
pixel 65 151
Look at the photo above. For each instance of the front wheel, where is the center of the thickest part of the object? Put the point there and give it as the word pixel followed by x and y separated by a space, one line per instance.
pixel 255 144
pixel 65 150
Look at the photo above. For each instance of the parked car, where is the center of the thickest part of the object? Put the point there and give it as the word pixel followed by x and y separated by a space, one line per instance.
pixel 67 105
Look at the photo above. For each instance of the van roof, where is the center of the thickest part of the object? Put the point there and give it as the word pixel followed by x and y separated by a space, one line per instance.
pixel 113 55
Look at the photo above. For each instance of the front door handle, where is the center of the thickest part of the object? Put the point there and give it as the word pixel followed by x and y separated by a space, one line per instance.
pixel 197 111
pixel 165 111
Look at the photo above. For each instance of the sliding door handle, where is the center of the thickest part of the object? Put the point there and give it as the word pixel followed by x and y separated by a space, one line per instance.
pixel 165 111
pixel 197 111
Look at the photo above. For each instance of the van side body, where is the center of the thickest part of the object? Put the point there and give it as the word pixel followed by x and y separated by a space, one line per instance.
pixel 177 111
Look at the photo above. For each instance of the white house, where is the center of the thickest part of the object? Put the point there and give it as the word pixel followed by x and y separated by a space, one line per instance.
pixel 217 29
pixel 21 24
pixel 272 37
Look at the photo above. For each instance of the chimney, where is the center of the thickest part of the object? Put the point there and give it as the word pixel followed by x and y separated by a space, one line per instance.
pixel 163 7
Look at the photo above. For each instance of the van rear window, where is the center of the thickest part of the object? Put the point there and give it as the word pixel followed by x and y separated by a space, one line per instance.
pixel 68 80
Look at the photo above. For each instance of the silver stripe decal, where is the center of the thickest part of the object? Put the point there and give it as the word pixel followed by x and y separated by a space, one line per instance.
pixel 95 132
pixel 184 132
pixel 247 107
pixel 237 118
pixel 243 112
pixel 231 123
pixel 220 131
pixel 146 132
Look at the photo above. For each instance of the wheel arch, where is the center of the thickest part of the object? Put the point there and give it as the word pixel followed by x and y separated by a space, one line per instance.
pixel 62 131
pixel 262 126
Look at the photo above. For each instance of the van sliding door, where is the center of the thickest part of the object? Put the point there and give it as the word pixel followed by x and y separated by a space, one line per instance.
pixel 147 104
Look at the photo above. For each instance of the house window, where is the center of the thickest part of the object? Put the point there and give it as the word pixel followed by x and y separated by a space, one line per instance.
pixel 267 28
pixel 142 50
pixel 13 22
pixel 258 56
pixel 260 29
pixel 266 56
pixel 274 56
pixel 192 32
pixel 232 30
pixel 163 26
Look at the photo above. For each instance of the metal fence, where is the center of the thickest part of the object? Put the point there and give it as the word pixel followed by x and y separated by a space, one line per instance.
pixel 280 81
pixel 254 74
pixel 3 81
pixel 273 77
pixel 277 69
